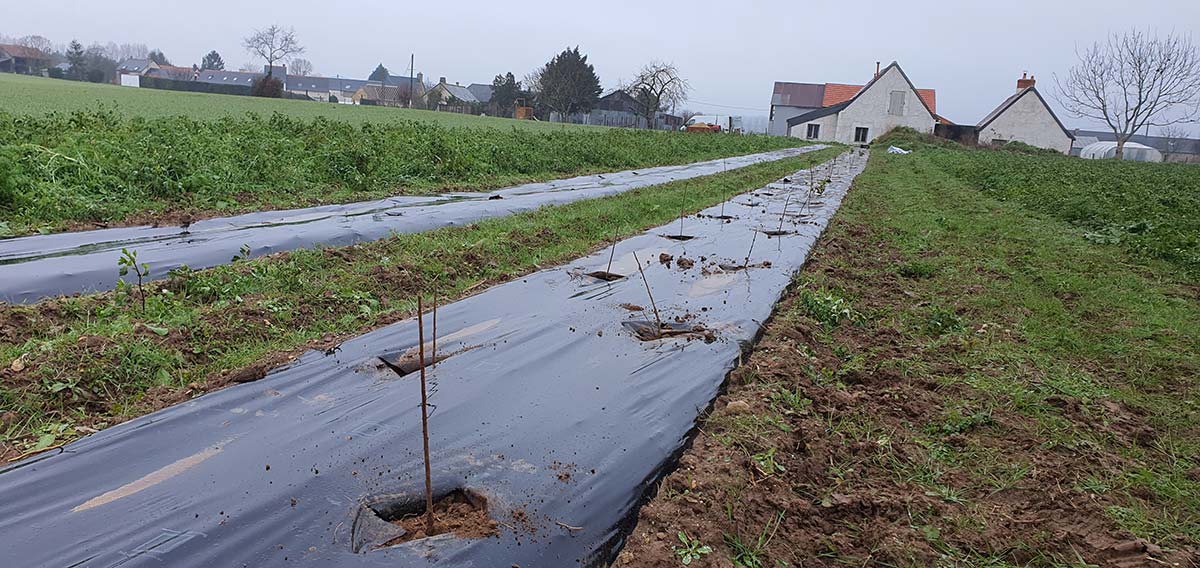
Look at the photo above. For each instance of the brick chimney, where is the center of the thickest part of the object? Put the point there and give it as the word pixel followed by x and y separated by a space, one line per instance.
pixel 442 80
pixel 1025 82
pixel 877 69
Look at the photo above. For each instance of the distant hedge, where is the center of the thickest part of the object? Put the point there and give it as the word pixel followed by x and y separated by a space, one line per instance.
pixel 193 86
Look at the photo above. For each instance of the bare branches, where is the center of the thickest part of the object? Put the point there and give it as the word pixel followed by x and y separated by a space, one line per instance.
pixel 273 44
pixel 300 66
pixel 657 87
pixel 1134 81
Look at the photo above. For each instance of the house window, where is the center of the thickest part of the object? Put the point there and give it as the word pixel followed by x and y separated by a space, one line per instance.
pixel 896 104
pixel 860 134
pixel 814 130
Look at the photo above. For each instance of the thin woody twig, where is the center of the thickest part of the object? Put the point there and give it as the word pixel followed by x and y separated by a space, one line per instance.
pixel 425 421
pixel 657 319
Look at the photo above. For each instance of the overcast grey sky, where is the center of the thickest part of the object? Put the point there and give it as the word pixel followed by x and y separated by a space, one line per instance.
pixel 972 52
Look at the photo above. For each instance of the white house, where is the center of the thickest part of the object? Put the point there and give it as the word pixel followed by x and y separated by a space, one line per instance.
pixel 1025 117
pixel 890 100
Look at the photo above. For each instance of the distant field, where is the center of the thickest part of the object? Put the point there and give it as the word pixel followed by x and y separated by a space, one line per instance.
pixel 79 155
pixel 22 94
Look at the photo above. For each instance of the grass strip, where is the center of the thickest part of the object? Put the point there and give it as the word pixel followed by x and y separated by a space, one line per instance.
pixel 95 360
pixel 91 168
pixel 957 379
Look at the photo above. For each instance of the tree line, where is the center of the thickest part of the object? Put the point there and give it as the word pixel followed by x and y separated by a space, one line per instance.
pixel 566 85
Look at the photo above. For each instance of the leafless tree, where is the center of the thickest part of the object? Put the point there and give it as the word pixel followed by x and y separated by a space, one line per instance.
pixel 657 87
pixel 250 67
pixel 300 66
pixel 36 42
pixel 1174 136
pixel 687 114
pixel 1134 81
pixel 273 44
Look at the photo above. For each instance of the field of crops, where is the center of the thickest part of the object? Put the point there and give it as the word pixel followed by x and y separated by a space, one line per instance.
pixel 22 94
pixel 84 168
pixel 1149 208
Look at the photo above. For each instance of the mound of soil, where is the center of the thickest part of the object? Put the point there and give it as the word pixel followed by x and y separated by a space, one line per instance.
pixel 465 516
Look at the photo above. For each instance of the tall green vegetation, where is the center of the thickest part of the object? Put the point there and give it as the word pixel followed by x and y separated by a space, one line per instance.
pixel 98 166
pixel 1148 208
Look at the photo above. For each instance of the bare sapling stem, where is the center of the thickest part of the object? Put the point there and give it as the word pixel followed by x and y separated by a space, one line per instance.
pixel 746 263
pixel 786 200
pixel 612 252
pixel 681 221
pixel 723 207
pixel 657 320
pixel 433 348
pixel 425 421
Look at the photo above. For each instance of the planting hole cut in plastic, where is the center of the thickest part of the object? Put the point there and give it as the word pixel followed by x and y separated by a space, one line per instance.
pixel 680 237
pixel 651 331
pixel 605 276
pixel 461 513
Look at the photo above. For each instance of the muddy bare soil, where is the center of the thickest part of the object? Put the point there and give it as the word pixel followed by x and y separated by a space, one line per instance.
pixel 460 514
pixel 794 468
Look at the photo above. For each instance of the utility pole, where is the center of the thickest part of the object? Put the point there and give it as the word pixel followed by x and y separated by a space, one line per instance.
pixel 412 71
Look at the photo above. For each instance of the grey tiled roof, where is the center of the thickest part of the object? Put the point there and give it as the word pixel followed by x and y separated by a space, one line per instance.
pixel 460 92
pixel 482 92
pixel 133 66
pixel 798 94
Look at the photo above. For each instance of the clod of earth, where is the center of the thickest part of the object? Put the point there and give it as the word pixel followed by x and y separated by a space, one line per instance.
pixel 605 276
pixel 650 331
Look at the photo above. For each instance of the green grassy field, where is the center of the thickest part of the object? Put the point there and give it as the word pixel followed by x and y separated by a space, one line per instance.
pixel 167 156
pixel 962 377
pixel 1150 209
pixel 22 94
pixel 252 314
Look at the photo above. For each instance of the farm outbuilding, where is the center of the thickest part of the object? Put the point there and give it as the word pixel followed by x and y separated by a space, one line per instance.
pixel 1025 117
pixel 1134 152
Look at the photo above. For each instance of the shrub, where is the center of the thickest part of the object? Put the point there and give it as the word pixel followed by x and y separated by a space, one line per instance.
pixel 269 87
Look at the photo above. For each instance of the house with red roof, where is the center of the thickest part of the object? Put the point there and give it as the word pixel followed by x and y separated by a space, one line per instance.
pixel 21 59
pixel 852 113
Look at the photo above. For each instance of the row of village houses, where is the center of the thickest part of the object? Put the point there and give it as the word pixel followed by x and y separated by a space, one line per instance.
pixel 857 114
pixel 614 109
pixel 392 91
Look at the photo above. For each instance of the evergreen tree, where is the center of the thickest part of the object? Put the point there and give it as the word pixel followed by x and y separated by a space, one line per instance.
pixel 158 57
pixel 568 84
pixel 77 59
pixel 379 74
pixel 212 61
pixel 505 90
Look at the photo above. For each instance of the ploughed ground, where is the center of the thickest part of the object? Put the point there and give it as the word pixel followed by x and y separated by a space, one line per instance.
pixel 956 381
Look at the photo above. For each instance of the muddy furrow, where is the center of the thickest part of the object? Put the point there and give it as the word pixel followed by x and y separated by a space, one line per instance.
pixel 548 405
pixel 42 266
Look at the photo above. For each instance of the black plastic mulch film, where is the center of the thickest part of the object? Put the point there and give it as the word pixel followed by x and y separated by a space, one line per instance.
pixel 42 266
pixel 543 378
